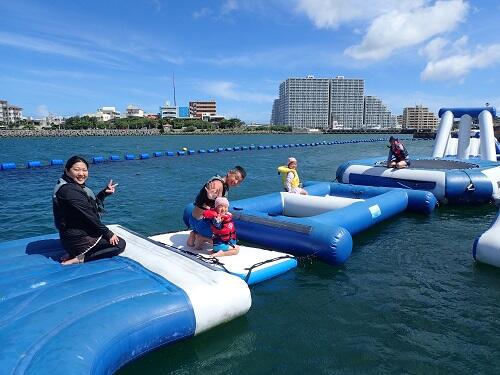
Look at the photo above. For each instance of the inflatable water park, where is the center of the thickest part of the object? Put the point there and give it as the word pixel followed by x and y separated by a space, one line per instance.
pixel 97 316
pixel 463 168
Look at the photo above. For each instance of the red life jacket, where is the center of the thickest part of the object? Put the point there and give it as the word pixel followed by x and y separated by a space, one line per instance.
pixel 399 154
pixel 227 232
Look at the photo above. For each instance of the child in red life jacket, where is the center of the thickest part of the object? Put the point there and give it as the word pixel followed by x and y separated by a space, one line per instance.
pixel 223 232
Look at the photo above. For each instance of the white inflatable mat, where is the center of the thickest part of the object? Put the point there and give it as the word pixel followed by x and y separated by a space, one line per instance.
pixel 251 264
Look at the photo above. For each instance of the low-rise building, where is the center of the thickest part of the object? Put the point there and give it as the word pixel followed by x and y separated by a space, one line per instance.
pixel 169 111
pixel 10 114
pixel 198 108
pixel 105 114
pixel 134 112
pixel 419 118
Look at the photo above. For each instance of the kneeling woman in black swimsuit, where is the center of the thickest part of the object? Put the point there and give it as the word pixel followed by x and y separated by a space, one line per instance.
pixel 77 216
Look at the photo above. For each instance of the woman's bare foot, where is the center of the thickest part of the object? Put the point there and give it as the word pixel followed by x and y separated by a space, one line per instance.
pixel 68 262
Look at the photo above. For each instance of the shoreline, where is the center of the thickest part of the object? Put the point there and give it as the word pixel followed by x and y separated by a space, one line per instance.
pixel 24 133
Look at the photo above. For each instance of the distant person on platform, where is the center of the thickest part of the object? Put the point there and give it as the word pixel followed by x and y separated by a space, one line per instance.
pixel 398 155
pixel 215 187
pixel 290 177
pixel 77 216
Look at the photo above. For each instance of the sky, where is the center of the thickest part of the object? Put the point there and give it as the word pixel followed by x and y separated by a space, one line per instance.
pixel 70 58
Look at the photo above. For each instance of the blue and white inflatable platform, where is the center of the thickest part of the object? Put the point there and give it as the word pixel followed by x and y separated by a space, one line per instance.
pixel 486 248
pixel 93 318
pixel 460 170
pixel 320 224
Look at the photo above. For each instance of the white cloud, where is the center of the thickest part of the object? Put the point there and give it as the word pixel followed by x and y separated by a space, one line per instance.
pixel 457 66
pixel 229 90
pixel 229 6
pixel 42 110
pixel 400 29
pixel 332 13
pixel 434 49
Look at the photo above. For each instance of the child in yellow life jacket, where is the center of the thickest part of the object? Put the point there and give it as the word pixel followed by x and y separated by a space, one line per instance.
pixel 290 177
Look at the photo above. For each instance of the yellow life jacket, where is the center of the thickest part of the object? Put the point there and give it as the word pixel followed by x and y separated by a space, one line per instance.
pixel 283 171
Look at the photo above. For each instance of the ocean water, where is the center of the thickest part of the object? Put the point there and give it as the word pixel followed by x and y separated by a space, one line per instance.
pixel 409 300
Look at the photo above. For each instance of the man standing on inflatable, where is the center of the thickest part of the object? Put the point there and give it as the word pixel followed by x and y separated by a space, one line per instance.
pixel 398 156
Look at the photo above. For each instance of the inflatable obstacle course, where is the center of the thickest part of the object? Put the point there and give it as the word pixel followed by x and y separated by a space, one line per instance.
pixel 97 316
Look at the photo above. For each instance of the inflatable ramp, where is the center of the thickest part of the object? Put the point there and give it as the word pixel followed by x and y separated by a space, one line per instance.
pixel 250 264
pixel 486 248
pixel 93 318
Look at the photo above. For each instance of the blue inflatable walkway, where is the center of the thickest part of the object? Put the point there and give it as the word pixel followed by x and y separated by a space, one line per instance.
pixel 93 318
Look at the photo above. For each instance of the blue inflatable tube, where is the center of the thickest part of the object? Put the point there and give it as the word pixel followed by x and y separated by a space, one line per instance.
pixel 321 224
pixel 418 200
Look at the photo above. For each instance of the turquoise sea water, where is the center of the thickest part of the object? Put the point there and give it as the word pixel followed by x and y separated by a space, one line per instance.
pixel 409 300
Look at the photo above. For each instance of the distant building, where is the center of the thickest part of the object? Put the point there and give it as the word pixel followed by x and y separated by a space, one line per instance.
pixel 134 112
pixel 198 108
pixel 315 103
pixel 10 114
pixel 169 111
pixel 376 115
pixel 210 118
pixel 419 118
pixel 105 114
pixel 347 101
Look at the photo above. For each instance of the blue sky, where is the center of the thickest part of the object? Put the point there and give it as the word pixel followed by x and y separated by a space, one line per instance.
pixel 71 57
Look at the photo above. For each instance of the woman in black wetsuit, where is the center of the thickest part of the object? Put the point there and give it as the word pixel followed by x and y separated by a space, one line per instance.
pixel 77 216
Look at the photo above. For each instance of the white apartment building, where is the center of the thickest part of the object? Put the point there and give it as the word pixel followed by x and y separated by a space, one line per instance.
pixel 133 111
pixel 303 103
pixel 169 111
pixel 316 103
pixel 15 114
pixel 10 114
pixel 419 118
pixel 376 115
pixel 347 102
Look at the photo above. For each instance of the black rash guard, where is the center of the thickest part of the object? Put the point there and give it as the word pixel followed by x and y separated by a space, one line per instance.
pixel 76 216
pixel 202 201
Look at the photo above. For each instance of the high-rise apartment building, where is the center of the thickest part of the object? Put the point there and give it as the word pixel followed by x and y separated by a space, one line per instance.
pixel 419 118
pixel 346 102
pixel 303 103
pixel 199 108
pixel 320 103
pixel 376 115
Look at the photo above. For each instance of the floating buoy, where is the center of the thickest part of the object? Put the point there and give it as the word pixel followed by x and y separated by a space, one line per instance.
pixel 114 158
pixel 98 159
pixel 129 157
pixel 6 166
pixel 56 162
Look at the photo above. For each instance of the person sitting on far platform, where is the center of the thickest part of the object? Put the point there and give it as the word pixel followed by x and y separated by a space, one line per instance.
pixel 290 177
pixel 215 187
pixel 398 155
pixel 223 231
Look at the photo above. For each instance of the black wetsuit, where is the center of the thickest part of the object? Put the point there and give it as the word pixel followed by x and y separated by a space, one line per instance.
pixel 76 215
pixel 202 201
